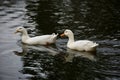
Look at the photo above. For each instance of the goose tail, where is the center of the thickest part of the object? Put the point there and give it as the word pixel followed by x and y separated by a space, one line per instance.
pixel 54 35
pixel 95 45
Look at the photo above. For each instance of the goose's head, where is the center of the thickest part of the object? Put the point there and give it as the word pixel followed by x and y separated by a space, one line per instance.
pixel 67 32
pixel 20 30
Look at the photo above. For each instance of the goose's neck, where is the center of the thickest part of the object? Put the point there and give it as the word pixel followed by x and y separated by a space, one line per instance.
pixel 71 39
pixel 25 36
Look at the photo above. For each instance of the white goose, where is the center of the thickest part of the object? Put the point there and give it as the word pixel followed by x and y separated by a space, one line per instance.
pixel 38 40
pixel 81 45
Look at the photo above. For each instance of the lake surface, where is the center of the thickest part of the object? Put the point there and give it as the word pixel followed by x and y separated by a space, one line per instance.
pixel 96 20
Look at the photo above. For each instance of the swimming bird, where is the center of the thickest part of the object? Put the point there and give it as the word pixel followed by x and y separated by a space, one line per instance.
pixel 80 45
pixel 38 40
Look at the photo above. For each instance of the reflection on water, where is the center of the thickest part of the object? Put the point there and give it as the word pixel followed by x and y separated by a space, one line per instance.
pixel 47 49
pixel 41 63
pixel 93 20
pixel 52 50
pixel 72 54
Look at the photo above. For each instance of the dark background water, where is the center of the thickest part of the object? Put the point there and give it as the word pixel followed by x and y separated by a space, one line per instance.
pixel 96 20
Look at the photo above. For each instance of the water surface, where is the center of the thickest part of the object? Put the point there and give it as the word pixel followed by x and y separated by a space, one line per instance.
pixel 93 20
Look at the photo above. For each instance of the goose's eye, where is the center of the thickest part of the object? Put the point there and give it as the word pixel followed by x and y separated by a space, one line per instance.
pixel 20 28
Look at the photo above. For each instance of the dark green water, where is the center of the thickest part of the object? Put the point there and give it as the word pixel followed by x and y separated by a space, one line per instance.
pixel 96 20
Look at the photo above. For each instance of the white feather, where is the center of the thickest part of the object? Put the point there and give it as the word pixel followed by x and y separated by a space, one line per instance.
pixel 80 45
pixel 41 40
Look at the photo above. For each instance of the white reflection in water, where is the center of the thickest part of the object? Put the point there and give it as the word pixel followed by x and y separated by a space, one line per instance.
pixel 72 54
pixel 68 55
pixel 26 47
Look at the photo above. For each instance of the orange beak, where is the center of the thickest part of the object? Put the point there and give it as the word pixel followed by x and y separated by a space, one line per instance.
pixel 62 35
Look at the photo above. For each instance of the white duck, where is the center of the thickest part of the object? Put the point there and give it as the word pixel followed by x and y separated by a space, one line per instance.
pixel 81 45
pixel 38 40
